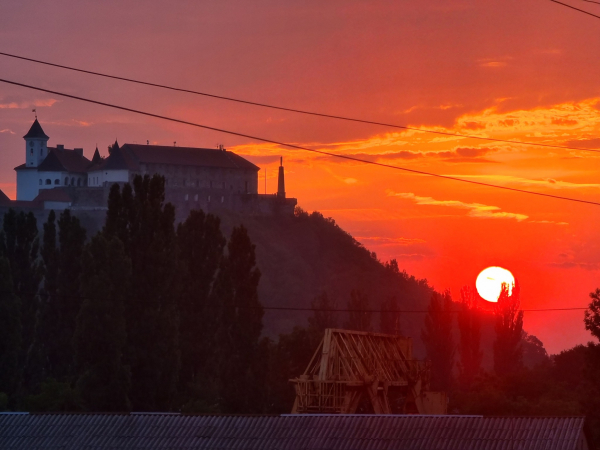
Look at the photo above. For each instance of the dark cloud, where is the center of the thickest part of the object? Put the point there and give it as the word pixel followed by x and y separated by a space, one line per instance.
pixel 261 159
pixel 583 143
pixel 458 155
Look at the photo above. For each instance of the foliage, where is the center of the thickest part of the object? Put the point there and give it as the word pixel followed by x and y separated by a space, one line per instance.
pixel 10 333
pixel 592 314
pixel 469 327
pixel 100 337
pixel 508 349
pixel 240 325
pixel 359 316
pixel 201 245
pixel 390 317
pixel 439 340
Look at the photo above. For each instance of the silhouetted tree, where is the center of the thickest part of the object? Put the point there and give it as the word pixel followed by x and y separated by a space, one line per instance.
pixel 359 316
pixel 100 338
pixel 61 293
pixel 10 332
pixel 439 340
pixel 469 327
pixel 508 351
pixel 592 314
pixel 201 244
pixel 322 317
pixel 240 325
pixel 21 248
pixel 390 317
pixel 145 225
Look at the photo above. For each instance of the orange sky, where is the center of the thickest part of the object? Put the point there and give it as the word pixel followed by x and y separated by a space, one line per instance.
pixel 506 69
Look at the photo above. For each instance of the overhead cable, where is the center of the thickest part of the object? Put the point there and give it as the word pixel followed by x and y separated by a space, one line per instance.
pixel 577 9
pixel 300 111
pixel 298 147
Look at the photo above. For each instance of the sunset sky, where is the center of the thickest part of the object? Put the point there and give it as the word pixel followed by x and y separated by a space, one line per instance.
pixel 518 70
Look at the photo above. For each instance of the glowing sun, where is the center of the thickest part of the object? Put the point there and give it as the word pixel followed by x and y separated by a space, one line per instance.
pixel 489 282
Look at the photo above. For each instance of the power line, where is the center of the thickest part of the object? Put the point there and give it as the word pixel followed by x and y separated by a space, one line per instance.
pixel 300 111
pixel 577 9
pixel 298 147
pixel 592 1
pixel 305 309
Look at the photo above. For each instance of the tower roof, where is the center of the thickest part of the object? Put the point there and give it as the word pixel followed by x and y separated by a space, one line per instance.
pixel 36 131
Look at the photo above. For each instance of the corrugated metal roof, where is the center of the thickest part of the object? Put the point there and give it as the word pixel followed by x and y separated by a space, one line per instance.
pixel 288 432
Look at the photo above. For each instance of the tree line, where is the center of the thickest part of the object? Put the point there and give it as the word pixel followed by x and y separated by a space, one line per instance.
pixel 145 315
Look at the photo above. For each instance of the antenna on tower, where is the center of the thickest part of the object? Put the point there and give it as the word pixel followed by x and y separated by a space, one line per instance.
pixel 35 112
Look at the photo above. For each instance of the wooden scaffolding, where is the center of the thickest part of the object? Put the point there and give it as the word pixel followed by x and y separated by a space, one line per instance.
pixel 350 368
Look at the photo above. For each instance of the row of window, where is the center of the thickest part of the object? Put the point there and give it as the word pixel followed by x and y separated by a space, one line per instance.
pixel 68 181
pixel 187 197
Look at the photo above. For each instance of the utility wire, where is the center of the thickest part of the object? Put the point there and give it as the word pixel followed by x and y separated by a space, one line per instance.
pixel 298 147
pixel 300 111
pixel 592 1
pixel 294 308
pixel 577 9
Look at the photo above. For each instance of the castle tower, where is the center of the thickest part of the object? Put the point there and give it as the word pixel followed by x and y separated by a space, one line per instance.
pixel 36 149
pixel 281 181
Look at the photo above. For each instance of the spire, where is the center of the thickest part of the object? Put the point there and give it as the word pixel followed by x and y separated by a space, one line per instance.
pixel 281 181
pixel 96 158
pixel 115 146
pixel 36 132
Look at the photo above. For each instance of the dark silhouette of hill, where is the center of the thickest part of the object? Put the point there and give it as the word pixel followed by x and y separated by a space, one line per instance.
pixel 300 257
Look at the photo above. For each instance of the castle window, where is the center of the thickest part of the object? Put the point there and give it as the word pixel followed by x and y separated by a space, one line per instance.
pixel 78 181
pixel 57 181
pixel 196 197
pixel 31 151
pixel 222 199
pixel 48 181
pixel 66 181
pixel 73 181
pixel 186 197
pixel 40 181
pixel 209 198
pixel 41 151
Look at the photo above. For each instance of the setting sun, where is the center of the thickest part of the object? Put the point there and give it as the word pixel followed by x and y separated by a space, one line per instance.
pixel 489 282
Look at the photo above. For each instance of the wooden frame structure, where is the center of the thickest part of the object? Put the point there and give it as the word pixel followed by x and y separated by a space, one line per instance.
pixel 350 367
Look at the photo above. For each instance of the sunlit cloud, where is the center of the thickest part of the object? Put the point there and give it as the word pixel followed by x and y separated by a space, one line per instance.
pixel 6 130
pixel 380 240
pixel 478 210
pixel 512 180
pixel 28 104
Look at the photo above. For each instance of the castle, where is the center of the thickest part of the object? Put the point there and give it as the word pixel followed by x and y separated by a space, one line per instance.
pixel 195 178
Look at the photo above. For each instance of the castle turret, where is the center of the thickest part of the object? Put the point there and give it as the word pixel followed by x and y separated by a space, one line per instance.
pixel 281 181
pixel 36 147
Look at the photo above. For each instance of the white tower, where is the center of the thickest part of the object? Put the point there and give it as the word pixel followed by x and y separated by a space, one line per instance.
pixel 35 145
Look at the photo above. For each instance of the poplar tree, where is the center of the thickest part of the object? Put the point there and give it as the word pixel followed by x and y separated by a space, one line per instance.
pixel 439 340
pixel 50 319
pixel 201 245
pixel 359 318
pixel 240 374
pixel 10 332
pixel 21 248
pixel 469 327
pixel 100 338
pixel 508 351
pixel 390 317
pixel 143 222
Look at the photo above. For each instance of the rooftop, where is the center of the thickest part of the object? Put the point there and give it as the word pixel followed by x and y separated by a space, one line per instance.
pixel 130 156
pixel 380 432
